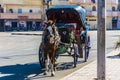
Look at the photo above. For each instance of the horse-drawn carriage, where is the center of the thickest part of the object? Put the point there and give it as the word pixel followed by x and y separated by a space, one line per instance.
pixel 69 20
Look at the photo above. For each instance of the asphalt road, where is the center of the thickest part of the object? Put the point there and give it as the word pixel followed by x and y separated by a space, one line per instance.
pixel 19 56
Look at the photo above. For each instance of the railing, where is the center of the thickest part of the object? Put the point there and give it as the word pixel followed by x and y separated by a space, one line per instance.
pixel 39 16
pixel 108 13
pixel 16 16
pixel 112 13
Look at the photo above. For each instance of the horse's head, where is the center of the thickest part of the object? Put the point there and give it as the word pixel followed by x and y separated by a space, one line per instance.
pixel 52 36
pixel 49 38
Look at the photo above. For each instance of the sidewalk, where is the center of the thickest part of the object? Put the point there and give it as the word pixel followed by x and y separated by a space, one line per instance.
pixel 89 72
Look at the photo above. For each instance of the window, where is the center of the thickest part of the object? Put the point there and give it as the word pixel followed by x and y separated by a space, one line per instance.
pixel 19 10
pixel 113 8
pixel 94 8
pixel 11 10
pixel 1 9
pixel 30 11
pixel 93 1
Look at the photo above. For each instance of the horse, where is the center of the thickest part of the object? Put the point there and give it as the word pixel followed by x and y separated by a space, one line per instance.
pixel 51 45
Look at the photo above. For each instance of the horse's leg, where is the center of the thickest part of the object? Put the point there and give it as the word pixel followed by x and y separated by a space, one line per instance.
pixel 52 59
pixel 55 53
pixel 46 63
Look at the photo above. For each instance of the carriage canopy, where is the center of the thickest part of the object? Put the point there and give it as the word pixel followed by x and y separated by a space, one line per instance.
pixel 67 14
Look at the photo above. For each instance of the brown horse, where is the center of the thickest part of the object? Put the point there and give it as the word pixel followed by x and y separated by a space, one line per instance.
pixel 50 46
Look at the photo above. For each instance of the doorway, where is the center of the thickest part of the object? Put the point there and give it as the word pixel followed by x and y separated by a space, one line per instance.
pixel 29 25
pixel 14 25
pixel 2 25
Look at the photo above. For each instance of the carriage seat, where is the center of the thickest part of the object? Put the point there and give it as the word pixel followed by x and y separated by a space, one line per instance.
pixel 66 35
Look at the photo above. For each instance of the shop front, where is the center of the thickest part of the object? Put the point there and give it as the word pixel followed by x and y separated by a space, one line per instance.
pixel 20 22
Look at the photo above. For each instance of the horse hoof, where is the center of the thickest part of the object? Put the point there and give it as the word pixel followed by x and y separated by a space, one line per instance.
pixel 45 73
pixel 52 75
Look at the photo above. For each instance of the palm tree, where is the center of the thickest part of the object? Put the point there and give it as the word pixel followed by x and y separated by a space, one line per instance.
pixel 117 45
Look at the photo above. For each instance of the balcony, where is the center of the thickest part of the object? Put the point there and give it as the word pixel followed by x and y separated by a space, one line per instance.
pixel 17 16
pixel 108 13
pixel 111 13
pixel 32 2
pixel 82 1
pixel 92 13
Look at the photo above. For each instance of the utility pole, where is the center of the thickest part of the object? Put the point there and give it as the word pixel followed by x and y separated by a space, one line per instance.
pixel 101 74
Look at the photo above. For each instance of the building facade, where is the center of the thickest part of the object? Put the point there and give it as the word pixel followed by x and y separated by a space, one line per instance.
pixel 20 14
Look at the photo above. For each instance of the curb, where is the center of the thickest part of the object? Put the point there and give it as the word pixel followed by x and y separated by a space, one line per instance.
pixel 25 34
pixel 37 33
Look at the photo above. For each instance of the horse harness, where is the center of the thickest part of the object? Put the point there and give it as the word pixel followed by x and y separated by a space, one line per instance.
pixel 52 35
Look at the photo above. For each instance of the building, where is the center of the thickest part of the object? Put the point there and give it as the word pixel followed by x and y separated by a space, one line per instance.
pixel 17 13
pixel 112 13
pixel 20 14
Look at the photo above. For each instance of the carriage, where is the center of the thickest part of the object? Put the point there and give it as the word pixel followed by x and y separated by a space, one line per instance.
pixel 68 19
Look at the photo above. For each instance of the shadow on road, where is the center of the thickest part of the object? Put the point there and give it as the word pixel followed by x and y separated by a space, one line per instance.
pixel 20 71
pixel 114 57
pixel 66 65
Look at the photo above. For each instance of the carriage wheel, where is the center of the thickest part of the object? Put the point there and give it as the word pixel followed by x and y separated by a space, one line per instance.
pixel 75 54
pixel 70 48
pixel 75 57
pixel 87 47
pixel 41 56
